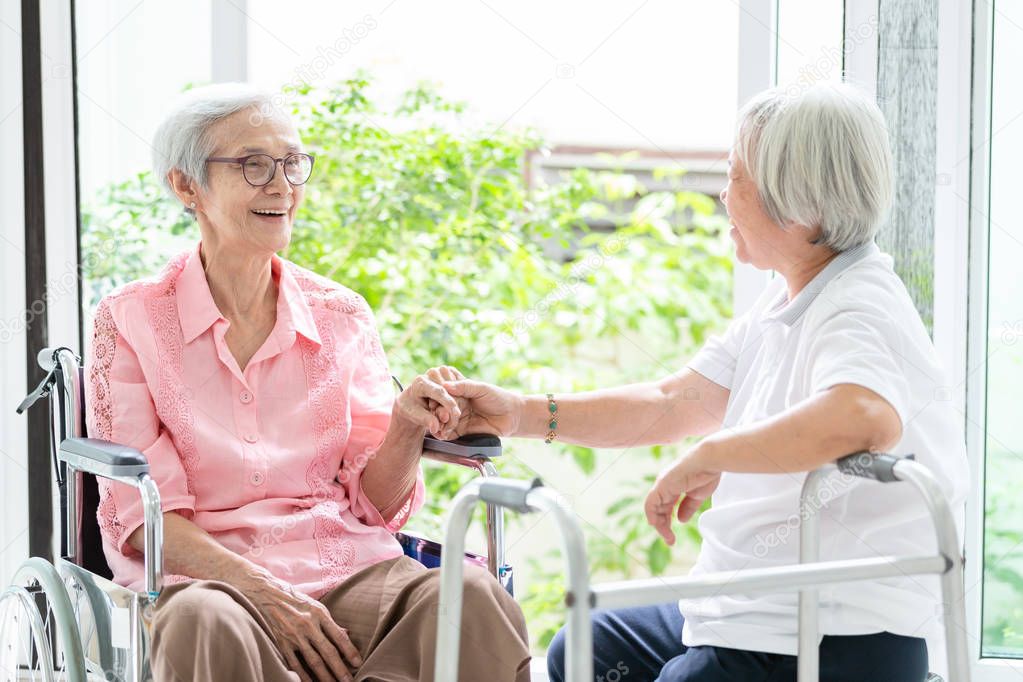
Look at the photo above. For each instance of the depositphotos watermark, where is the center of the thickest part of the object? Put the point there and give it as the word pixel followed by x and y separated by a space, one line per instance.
pixel 831 57
pixel 831 488
pixel 615 674
pixel 524 323
pixel 1012 332
pixel 65 284
pixel 316 68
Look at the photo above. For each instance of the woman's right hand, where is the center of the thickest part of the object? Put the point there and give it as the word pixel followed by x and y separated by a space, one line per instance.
pixel 485 409
pixel 304 630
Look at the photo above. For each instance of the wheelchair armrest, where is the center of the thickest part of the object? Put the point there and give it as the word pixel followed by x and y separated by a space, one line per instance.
pixel 103 458
pixel 126 465
pixel 472 446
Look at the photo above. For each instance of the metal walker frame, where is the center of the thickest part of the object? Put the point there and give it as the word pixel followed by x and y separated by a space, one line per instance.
pixel 806 576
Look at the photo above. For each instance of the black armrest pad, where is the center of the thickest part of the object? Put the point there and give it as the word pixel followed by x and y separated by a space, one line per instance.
pixel 470 445
pixel 104 452
pixel 877 466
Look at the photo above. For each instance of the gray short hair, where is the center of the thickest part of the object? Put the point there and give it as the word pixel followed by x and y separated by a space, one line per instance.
pixel 820 157
pixel 183 139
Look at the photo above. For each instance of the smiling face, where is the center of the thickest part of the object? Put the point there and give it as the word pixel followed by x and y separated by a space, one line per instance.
pixel 232 212
pixel 759 240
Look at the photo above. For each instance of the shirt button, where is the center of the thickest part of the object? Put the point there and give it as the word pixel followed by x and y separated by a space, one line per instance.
pixel 245 397
pixel 251 438
pixel 257 478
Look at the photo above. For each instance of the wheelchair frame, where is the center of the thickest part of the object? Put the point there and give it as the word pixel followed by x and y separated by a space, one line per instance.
pixel 806 576
pixel 119 620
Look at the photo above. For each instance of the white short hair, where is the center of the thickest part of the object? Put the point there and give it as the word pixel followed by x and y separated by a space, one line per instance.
pixel 183 139
pixel 819 157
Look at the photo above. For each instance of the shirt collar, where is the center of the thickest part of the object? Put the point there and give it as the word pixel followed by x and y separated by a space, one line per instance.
pixel 197 311
pixel 292 307
pixel 788 313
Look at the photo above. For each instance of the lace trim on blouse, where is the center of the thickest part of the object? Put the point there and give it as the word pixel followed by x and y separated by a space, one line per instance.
pixel 104 345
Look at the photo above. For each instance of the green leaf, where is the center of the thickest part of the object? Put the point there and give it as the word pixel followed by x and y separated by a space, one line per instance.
pixel 585 458
pixel 658 556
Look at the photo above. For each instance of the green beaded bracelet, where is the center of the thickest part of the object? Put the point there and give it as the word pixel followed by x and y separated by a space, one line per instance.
pixel 553 424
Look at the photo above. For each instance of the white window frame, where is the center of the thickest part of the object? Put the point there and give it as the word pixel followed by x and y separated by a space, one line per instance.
pixel 758 23
pixel 63 261
pixel 229 55
pixel 62 258
pixel 968 307
pixel 13 429
pixel 860 62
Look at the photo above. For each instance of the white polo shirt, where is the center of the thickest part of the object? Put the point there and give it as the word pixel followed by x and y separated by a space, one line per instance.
pixel 853 323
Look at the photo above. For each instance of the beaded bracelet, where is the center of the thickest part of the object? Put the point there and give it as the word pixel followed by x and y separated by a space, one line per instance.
pixel 552 406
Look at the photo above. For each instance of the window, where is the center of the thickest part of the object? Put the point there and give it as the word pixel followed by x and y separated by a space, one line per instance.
pixel 1003 428
pixel 632 78
pixel 133 58
pixel 808 46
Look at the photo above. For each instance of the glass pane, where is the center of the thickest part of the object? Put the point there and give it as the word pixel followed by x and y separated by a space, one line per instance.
pixel 809 42
pixel 1003 532
pixel 133 58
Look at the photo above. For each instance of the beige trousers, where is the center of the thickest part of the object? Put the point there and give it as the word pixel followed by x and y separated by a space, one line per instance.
pixel 208 630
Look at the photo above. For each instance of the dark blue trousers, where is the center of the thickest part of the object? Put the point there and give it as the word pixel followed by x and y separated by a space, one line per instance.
pixel 645 644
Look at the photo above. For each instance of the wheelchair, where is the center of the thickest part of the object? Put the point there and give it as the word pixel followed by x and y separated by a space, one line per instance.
pixel 69 621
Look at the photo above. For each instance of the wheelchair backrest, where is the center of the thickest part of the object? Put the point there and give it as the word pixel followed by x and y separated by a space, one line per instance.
pixel 90 545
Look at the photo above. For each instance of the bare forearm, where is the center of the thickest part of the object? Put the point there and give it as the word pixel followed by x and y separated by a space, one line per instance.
pixel 189 550
pixel 649 413
pixel 837 422
pixel 391 473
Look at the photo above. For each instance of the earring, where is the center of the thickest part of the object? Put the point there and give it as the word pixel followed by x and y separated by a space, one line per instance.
pixel 192 205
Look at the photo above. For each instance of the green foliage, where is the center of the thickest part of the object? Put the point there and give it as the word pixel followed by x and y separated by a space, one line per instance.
pixel 129 230
pixel 1003 555
pixel 466 263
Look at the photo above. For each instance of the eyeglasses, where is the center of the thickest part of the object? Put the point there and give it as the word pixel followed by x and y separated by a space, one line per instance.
pixel 259 169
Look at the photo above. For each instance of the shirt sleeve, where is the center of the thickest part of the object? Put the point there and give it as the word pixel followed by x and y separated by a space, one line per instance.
pixel 859 342
pixel 119 408
pixel 371 397
pixel 717 359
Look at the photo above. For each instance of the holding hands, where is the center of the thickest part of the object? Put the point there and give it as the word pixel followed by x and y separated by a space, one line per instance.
pixel 426 404
pixel 451 406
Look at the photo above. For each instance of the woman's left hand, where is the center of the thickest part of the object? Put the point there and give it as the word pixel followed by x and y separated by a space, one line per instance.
pixel 449 421
pixel 425 404
pixel 688 477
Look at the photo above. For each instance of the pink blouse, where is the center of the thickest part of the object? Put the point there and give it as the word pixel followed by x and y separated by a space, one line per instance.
pixel 268 460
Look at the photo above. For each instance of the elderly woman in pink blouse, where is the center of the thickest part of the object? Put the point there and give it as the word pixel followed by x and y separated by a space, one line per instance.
pixel 261 396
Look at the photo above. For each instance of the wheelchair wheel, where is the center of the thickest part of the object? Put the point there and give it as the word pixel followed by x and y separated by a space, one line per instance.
pixel 38 633
pixel 92 608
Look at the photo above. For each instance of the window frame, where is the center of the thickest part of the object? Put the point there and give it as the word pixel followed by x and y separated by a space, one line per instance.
pixel 758 20
pixel 13 428
pixel 978 20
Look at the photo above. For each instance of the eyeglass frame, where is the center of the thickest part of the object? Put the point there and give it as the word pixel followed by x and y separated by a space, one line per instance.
pixel 242 159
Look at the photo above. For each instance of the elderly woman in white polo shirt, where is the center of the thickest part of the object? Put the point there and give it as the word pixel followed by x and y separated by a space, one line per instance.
pixel 832 359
